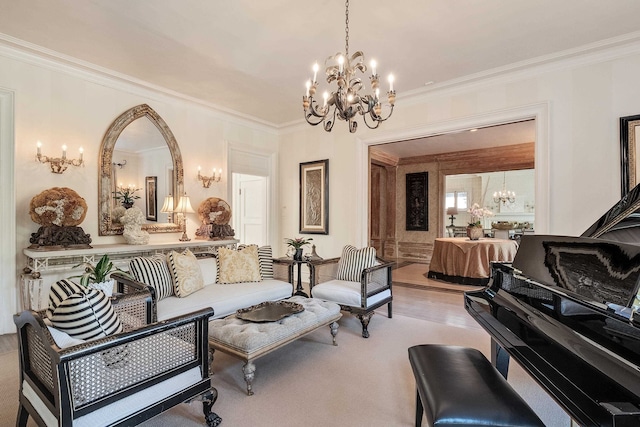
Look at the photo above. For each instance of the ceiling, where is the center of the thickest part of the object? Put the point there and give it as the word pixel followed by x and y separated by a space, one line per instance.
pixel 253 58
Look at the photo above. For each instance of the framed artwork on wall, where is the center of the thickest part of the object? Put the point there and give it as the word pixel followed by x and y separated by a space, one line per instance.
pixel 314 197
pixel 151 197
pixel 417 200
pixel 629 162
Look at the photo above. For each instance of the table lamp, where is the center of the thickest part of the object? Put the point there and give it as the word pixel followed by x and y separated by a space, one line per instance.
pixel 452 211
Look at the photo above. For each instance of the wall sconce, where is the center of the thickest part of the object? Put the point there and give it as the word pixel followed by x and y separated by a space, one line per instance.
pixel 207 180
pixel 59 164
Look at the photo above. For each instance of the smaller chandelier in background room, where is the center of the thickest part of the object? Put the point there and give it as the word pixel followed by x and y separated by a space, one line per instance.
pixel 504 196
pixel 346 102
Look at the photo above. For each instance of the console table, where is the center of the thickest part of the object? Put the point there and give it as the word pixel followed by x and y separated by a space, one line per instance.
pixel 44 267
pixel 460 260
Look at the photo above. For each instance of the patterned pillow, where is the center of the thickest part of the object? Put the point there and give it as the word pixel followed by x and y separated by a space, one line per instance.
pixel 60 291
pixel 265 258
pixel 153 271
pixel 238 266
pixel 353 261
pixel 185 272
pixel 86 315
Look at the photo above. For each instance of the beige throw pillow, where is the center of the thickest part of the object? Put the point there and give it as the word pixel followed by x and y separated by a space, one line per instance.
pixel 185 273
pixel 239 266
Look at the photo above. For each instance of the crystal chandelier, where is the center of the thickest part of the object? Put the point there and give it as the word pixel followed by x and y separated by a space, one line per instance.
pixel 504 196
pixel 346 101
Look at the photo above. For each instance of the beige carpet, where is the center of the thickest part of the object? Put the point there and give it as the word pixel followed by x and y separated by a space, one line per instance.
pixel 415 274
pixel 361 382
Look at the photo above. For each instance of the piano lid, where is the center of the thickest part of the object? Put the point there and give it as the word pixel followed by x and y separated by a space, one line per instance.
pixel 621 223
pixel 597 271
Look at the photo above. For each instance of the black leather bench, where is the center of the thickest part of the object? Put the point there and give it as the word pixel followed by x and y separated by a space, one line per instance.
pixel 458 386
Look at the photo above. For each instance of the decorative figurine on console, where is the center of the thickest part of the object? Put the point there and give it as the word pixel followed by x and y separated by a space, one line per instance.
pixel 214 215
pixel 59 211
pixel 133 233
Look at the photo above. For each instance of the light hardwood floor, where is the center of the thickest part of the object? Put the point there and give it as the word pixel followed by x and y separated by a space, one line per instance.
pixel 429 303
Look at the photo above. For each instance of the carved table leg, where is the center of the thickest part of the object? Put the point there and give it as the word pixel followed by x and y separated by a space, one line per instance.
pixel 249 370
pixel 334 331
pixel 364 319
pixel 208 399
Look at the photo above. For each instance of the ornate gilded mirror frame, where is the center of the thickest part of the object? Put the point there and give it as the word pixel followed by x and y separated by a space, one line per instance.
pixel 106 227
pixel 629 131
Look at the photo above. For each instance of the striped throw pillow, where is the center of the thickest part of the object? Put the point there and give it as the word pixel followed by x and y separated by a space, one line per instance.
pixel 353 261
pixel 86 315
pixel 60 291
pixel 265 258
pixel 153 271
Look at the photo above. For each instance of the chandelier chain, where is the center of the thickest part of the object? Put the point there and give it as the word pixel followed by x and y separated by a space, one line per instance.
pixel 346 37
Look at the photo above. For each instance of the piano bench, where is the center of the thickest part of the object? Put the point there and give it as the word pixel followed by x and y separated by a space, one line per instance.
pixel 458 386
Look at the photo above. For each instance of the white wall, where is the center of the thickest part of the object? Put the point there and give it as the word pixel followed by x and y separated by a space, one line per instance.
pixel 585 97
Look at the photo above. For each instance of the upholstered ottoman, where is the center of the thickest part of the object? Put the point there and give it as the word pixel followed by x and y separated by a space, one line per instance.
pixel 250 340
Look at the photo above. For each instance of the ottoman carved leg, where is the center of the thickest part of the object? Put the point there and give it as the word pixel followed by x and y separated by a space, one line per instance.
pixel 334 331
pixel 249 370
pixel 364 319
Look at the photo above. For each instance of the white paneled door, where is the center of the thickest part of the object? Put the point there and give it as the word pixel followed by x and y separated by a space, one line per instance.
pixel 251 197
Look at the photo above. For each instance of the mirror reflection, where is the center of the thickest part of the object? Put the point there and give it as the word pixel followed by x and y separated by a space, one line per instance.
pixel 140 166
pixel 142 170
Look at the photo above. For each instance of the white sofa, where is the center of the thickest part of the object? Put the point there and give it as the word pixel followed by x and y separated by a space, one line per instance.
pixel 225 299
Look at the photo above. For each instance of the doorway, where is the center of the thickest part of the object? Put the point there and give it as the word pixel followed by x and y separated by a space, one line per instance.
pixel 250 205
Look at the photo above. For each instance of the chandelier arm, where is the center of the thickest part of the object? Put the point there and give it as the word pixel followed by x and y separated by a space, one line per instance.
pixel 328 125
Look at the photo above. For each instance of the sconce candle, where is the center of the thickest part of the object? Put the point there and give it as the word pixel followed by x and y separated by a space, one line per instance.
pixel 58 164
pixel 207 180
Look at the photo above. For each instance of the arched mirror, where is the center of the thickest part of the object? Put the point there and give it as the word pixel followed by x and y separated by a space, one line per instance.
pixel 139 157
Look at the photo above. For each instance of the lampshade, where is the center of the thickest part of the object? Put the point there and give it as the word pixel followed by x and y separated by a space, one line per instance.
pixel 167 207
pixel 452 211
pixel 184 205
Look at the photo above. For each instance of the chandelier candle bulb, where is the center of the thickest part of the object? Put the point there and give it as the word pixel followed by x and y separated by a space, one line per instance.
pixel 373 67
pixel 390 82
pixel 81 154
pixel 316 67
pixel 39 146
pixel 64 152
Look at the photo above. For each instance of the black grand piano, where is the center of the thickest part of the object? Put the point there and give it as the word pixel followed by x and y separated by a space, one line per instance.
pixel 564 310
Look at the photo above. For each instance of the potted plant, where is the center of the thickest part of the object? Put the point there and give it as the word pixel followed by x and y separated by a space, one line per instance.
pixel 474 229
pixel 126 195
pixel 98 276
pixel 297 244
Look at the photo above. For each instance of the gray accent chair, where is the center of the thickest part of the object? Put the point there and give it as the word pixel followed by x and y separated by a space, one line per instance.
pixel 360 298
pixel 123 379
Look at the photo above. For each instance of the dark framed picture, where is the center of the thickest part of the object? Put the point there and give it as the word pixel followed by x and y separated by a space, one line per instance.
pixel 314 197
pixel 151 196
pixel 629 140
pixel 417 192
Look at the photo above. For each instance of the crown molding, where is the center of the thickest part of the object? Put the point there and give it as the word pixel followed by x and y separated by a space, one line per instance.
pixel 593 53
pixel 20 50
